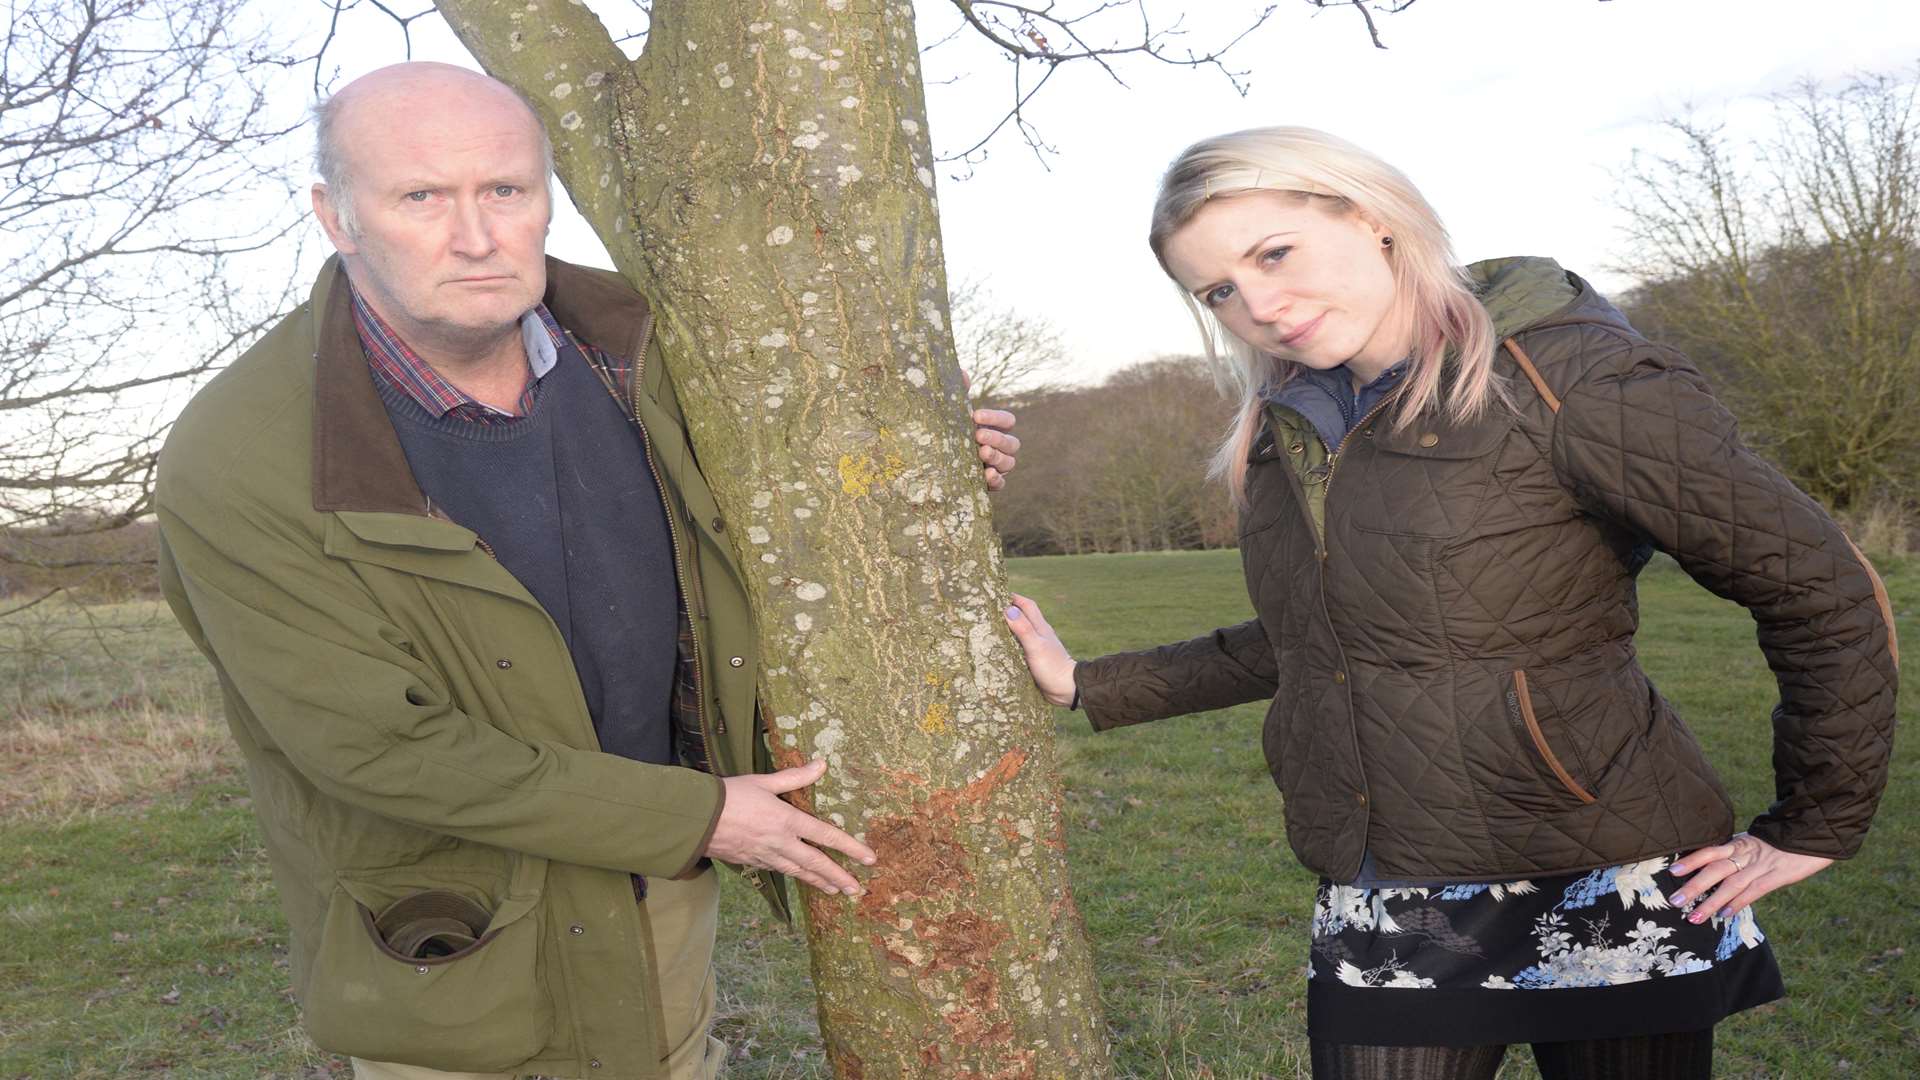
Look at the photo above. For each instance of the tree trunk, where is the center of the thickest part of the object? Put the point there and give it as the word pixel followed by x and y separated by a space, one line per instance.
pixel 775 159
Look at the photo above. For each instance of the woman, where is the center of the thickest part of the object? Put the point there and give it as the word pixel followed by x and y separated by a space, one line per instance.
pixel 1448 479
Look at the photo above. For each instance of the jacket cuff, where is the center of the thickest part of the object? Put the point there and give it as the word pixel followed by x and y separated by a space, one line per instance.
pixel 699 856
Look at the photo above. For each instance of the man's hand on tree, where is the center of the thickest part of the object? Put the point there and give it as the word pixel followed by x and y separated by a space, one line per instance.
pixel 998 444
pixel 758 828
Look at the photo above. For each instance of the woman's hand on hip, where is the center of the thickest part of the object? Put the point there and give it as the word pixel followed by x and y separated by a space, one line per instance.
pixel 1738 872
pixel 1048 660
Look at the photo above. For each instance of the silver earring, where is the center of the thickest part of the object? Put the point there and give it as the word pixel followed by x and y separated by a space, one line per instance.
pixel 1386 241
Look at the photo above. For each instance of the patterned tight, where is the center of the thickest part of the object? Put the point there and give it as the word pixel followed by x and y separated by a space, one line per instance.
pixel 1686 1055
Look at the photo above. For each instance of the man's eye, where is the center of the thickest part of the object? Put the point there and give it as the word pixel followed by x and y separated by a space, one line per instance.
pixel 418 196
pixel 1217 295
pixel 505 191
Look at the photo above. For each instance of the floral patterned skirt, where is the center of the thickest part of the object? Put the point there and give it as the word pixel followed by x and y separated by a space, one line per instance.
pixel 1580 956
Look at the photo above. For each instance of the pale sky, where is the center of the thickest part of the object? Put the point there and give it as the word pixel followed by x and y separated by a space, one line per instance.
pixel 1513 116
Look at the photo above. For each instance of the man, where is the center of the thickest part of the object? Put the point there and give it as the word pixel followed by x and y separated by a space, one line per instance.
pixel 496 726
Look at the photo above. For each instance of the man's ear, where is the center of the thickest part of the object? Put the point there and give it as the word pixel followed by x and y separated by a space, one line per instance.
pixel 329 218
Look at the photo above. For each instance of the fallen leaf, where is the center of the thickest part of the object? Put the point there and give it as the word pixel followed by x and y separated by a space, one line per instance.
pixel 171 997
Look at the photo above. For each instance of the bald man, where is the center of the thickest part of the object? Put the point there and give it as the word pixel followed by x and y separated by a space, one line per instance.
pixel 497 726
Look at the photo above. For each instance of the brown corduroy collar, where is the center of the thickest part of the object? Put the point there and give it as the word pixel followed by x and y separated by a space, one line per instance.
pixel 357 460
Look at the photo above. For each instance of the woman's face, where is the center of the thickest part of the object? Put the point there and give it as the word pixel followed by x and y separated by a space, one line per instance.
pixel 1293 280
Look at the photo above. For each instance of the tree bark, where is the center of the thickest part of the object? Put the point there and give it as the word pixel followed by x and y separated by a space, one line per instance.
pixel 763 173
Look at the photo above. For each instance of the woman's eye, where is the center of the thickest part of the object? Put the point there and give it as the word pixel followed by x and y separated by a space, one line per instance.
pixel 1217 295
pixel 1274 255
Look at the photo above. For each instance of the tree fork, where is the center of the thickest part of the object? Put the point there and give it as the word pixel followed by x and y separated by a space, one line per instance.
pixel 763 173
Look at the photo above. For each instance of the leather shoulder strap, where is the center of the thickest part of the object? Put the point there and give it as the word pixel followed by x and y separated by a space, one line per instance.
pixel 1533 374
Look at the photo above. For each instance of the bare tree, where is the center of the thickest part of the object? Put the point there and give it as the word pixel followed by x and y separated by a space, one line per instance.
pixel 1789 269
pixel 135 173
pixel 1005 351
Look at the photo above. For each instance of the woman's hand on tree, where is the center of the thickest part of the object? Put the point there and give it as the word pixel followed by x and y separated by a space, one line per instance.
pixel 1738 872
pixel 1048 660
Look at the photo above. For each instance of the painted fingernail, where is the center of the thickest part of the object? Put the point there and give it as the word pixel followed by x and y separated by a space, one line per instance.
pixel 1013 613
pixel 1678 899
pixel 1698 917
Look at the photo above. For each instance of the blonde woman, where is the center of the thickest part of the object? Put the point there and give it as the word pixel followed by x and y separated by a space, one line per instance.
pixel 1448 479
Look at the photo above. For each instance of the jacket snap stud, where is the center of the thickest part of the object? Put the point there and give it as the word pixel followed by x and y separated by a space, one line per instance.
pixel 719 525
pixel 1429 439
pixel 1339 676
pixel 422 968
pixel 594 1064
pixel 736 661
pixel 1368 433
pixel 503 663
pixel 576 929
pixel 1296 448
pixel 1360 798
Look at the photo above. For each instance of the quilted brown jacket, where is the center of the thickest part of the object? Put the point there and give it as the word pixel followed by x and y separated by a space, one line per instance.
pixel 1445 619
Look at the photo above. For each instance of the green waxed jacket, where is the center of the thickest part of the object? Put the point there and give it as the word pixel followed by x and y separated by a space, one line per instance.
pixel 410 716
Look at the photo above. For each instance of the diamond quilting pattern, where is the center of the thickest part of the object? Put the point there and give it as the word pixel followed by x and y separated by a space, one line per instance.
pixel 1456 556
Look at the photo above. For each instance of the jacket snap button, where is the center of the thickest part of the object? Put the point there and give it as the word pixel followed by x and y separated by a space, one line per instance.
pixel 1368 433
pixel 1429 439
pixel 422 968
pixel 719 525
pixel 503 663
pixel 594 1064
pixel 576 929
pixel 736 661
pixel 1296 448
pixel 1339 676
pixel 1360 798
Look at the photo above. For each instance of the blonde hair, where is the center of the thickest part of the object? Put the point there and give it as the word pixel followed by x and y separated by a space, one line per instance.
pixel 1450 328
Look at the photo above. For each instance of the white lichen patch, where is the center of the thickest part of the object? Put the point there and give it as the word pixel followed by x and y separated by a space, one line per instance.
pixel 810 591
pixel 916 376
pixel 802 512
pixel 809 297
pixel 774 402
pixel 848 174
pixel 768 559
pixel 803 622
pixel 693 46
pixel 864 243
pixel 849 102
pixel 561 90
pixel 809 141
pixel 926 177
pixel 762 500
pixel 758 535
pixel 786 723
pixel 911 127
pixel 571 121
pixel 777 339
pixel 780 236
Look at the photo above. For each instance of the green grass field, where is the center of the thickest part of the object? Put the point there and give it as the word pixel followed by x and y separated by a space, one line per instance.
pixel 139 934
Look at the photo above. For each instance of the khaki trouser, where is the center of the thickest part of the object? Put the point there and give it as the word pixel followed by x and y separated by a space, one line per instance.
pixel 683 915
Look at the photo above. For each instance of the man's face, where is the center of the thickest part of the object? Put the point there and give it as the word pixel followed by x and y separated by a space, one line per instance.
pixel 449 188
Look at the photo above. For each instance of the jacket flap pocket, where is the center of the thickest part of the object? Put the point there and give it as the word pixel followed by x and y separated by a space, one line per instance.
pixel 1438 438
pixel 402 530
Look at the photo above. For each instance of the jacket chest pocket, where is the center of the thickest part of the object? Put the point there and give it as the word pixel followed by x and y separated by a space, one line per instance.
pixel 1428 481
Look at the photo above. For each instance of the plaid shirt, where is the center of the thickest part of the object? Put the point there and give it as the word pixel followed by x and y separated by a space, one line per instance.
pixel 398 366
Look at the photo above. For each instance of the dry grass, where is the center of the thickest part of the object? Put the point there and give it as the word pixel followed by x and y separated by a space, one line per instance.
pixel 102 707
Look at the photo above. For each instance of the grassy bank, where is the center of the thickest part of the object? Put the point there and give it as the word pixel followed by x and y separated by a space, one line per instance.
pixel 139 935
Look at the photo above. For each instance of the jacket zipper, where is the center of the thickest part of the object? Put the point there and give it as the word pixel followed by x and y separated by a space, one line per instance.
pixel 708 732
pixel 1333 463
pixel 1326 497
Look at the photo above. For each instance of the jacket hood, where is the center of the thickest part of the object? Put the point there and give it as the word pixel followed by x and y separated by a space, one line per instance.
pixel 1527 293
